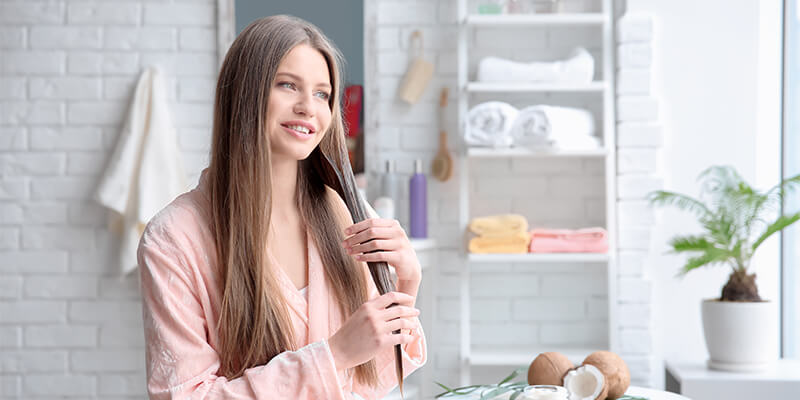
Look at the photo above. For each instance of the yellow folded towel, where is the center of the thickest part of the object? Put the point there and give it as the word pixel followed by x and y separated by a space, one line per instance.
pixel 498 225
pixel 514 243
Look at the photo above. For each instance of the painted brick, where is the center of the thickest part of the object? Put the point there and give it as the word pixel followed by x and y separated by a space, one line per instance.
pixel 196 89
pixel 140 38
pixel 509 334
pixel 30 12
pixel 60 238
pixel 492 285
pixel 198 39
pixel 11 214
pixel 569 285
pixel 58 336
pixel 31 113
pixel 634 55
pixel 122 336
pixel 183 64
pixel 631 134
pixel 635 28
pixel 28 311
pixel 105 311
pixel 10 337
pixel 194 139
pixel 13 189
pixel 635 341
pixel 63 188
pixel 637 186
pixel 99 112
pixel 66 138
pixel 483 310
pixel 637 108
pixel 9 238
pixel 637 160
pixel 33 164
pixel 61 287
pixel 574 333
pixel 65 37
pixel 634 315
pixel 388 38
pixel 633 81
pixel 121 384
pixel 17 262
pixel 634 238
pixel 398 12
pixel 28 361
pixel 551 309
pixel 634 290
pixel 59 385
pixel 121 63
pixel 84 63
pixel 12 88
pixel 179 14
pixel 13 138
pixel 104 13
pixel 10 287
pixel 107 360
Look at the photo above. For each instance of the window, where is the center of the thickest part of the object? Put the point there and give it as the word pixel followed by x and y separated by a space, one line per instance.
pixel 790 243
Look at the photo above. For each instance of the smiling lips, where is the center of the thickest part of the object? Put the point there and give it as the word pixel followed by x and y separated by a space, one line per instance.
pixel 300 126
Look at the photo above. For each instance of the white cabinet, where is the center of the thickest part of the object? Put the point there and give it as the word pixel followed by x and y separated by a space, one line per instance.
pixel 468 94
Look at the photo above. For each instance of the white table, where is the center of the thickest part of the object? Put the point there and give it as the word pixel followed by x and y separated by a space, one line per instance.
pixel 693 379
pixel 651 394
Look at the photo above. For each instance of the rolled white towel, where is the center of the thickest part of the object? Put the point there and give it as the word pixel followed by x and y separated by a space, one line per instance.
pixel 546 126
pixel 577 68
pixel 489 124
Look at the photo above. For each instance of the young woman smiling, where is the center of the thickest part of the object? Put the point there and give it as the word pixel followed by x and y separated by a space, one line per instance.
pixel 255 283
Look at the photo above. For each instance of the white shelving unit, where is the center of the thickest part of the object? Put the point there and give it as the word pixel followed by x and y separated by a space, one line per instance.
pixel 604 21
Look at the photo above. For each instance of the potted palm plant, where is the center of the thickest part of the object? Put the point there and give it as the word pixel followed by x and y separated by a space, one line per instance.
pixel 740 328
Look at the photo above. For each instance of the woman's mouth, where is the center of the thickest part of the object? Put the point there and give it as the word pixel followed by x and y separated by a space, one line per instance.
pixel 299 131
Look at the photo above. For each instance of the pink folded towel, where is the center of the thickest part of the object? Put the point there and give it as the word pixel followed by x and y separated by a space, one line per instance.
pixel 587 240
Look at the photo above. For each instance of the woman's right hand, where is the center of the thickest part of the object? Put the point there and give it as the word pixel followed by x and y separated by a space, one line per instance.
pixel 369 329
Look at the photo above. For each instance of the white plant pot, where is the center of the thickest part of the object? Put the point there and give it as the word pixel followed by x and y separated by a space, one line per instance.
pixel 740 336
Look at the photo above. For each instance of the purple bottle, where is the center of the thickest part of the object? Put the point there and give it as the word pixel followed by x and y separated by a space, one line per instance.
pixel 418 201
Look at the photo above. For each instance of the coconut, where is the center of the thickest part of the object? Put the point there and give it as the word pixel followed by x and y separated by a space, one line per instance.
pixel 586 382
pixel 549 369
pixel 614 369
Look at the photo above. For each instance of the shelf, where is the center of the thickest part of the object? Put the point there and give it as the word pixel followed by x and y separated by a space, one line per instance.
pixel 539 257
pixel 528 87
pixel 520 356
pixel 410 392
pixel 423 244
pixel 490 152
pixel 535 19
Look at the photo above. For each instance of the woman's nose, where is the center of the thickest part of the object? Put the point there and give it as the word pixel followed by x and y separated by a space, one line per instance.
pixel 303 105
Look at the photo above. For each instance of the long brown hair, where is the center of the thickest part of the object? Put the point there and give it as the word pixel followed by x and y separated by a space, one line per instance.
pixel 254 323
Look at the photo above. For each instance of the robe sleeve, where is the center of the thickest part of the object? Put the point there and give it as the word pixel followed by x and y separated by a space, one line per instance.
pixel 182 364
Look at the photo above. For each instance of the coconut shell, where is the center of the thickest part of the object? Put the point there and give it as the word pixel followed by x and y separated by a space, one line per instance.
pixel 603 392
pixel 549 369
pixel 614 369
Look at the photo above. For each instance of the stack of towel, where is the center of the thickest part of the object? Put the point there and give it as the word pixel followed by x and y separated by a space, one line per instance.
pixel 578 67
pixel 507 233
pixel 499 124
pixel 587 240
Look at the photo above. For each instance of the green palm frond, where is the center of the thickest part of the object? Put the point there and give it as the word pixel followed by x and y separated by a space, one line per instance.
pixel 782 222
pixel 732 213
pixel 683 202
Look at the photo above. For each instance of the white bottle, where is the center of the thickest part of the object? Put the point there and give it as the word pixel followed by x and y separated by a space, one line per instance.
pixel 384 206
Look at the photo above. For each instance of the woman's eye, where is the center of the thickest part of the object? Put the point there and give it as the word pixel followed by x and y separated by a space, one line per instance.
pixel 287 85
pixel 323 95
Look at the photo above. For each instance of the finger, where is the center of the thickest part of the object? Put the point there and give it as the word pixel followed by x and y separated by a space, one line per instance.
pixel 368 223
pixel 401 323
pixel 375 245
pixel 369 234
pixel 401 338
pixel 399 312
pixel 400 298
pixel 391 257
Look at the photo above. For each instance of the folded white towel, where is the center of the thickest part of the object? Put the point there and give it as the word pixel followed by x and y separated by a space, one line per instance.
pixel 577 68
pixel 553 126
pixel 145 172
pixel 489 124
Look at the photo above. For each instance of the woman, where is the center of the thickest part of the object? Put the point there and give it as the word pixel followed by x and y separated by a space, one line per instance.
pixel 254 283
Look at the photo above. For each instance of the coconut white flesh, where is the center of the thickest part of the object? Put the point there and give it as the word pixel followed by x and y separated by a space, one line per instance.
pixel 584 383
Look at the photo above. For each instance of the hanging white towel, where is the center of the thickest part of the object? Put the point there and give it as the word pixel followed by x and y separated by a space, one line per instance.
pixel 145 173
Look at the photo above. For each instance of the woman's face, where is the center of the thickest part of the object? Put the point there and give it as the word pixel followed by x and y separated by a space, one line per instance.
pixel 298 114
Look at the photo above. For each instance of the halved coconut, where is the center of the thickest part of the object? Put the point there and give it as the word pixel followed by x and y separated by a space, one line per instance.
pixel 549 369
pixel 586 383
pixel 614 369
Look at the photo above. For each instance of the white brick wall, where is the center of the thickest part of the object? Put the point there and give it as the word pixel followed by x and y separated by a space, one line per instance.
pixel 68 325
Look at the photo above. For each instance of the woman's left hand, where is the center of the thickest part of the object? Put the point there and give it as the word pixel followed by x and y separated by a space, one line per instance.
pixel 378 239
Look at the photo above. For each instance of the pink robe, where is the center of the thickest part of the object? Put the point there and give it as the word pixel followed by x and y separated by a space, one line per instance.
pixel 181 303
